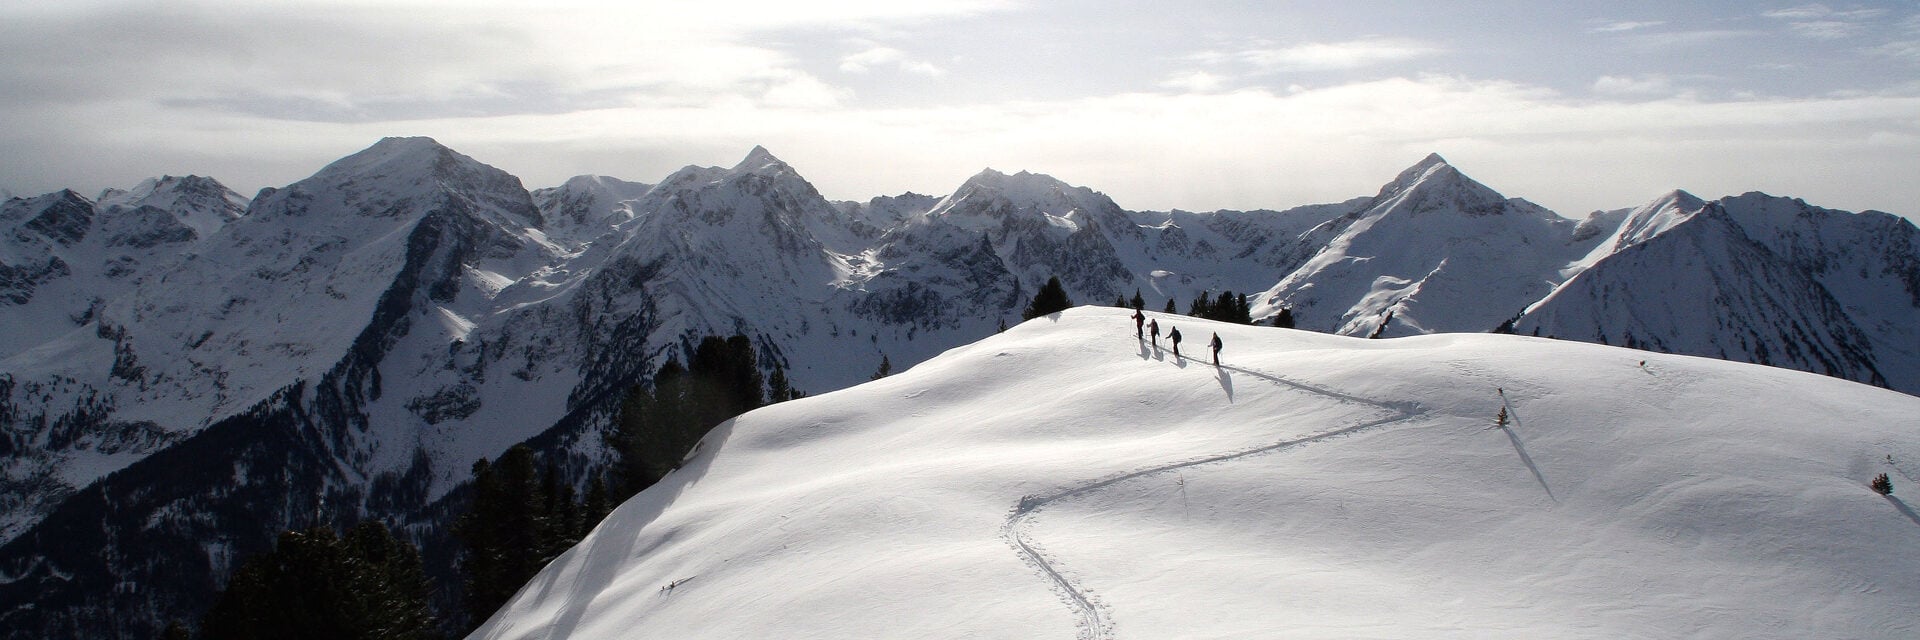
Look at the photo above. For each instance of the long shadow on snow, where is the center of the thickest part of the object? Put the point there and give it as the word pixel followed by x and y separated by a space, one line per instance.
pixel 1514 417
pixel 1226 382
pixel 1904 509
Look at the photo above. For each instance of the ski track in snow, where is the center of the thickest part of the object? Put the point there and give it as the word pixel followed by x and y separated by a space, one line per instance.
pixel 1095 621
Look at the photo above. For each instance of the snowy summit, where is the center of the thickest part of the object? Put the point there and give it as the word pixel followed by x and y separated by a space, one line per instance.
pixel 1064 479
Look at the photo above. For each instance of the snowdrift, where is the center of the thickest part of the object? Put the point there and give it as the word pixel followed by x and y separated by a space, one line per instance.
pixel 1064 479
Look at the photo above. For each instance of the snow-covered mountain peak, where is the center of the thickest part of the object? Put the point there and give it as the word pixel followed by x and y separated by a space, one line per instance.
pixel 402 158
pixel 991 198
pixel 63 216
pixel 200 203
pixel 1407 260
pixel 1023 186
pixel 405 177
pixel 1654 218
pixel 760 160
pixel 584 207
pixel 1434 185
pixel 1412 175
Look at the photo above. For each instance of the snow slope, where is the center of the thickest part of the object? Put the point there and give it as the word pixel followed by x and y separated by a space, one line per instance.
pixel 1753 278
pixel 1433 252
pixel 62 257
pixel 1064 480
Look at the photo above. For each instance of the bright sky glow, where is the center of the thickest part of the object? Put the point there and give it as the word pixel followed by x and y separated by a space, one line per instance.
pixel 1199 105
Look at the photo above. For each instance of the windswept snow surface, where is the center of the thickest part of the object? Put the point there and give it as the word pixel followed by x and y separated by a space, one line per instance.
pixel 1065 480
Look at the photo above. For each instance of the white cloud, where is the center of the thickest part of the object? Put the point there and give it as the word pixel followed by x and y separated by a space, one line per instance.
pixel 1652 84
pixel 1820 22
pixel 1826 29
pixel 799 90
pixel 1670 40
pixel 1902 50
pixel 882 56
pixel 1194 82
pixel 1625 25
pixel 1325 56
pixel 350 60
pixel 1821 11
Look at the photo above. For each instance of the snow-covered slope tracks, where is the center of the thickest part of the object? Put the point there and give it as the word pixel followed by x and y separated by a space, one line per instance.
pixel 1095 622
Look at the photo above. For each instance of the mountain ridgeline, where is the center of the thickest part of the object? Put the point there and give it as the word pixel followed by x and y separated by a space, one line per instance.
pixel 187 372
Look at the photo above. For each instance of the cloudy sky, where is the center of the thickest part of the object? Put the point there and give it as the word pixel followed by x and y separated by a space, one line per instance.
pixel 1195 105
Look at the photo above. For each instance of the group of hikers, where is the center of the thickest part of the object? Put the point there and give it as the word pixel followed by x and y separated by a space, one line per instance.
pixel 1142 325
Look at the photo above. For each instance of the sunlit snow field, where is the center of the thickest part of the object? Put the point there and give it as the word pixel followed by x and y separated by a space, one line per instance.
pixel 1064 479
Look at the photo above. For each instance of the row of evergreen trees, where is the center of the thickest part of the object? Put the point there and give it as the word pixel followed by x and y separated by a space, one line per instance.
pixel 521 515
pixel 317 584
pixel 1228 307
pixel 659 426
pixel 517 521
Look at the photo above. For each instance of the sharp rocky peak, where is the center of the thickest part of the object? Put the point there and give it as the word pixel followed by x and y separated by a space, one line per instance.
pixel 1680 199
pixel 760 160
pixel 1429 170
pixel 1433 184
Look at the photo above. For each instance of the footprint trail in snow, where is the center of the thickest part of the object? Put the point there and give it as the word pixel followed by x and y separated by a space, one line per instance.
pixel 1095 621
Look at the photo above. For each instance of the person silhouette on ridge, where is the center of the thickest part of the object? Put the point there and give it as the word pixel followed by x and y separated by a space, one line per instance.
pixel 1174 335
pixel 1216 349
pixel 1153 326
pixel 1139 319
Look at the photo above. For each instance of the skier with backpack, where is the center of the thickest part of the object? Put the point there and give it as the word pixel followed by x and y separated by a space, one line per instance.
pixel 1139 319
pixel 1174 335
pixel 1216 349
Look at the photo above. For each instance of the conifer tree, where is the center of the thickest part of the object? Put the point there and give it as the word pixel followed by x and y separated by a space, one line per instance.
pixel 886 368
pixel 1882 485
pixel 501 531
pixel 1284 319
pixel 596 506
pixel 658 427
pixel 1170 308
pixel 315 584
pixel 1120 301
pixel 1051 298
pixel 560 520
pixel 1200 306
pixel 778 389
pixel 1138 303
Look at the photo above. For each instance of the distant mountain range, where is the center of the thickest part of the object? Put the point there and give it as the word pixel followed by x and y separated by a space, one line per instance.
pixel 186 371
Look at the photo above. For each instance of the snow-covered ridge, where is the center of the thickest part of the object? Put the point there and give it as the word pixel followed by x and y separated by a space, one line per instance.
pixel 415 309
pixel 1310 486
